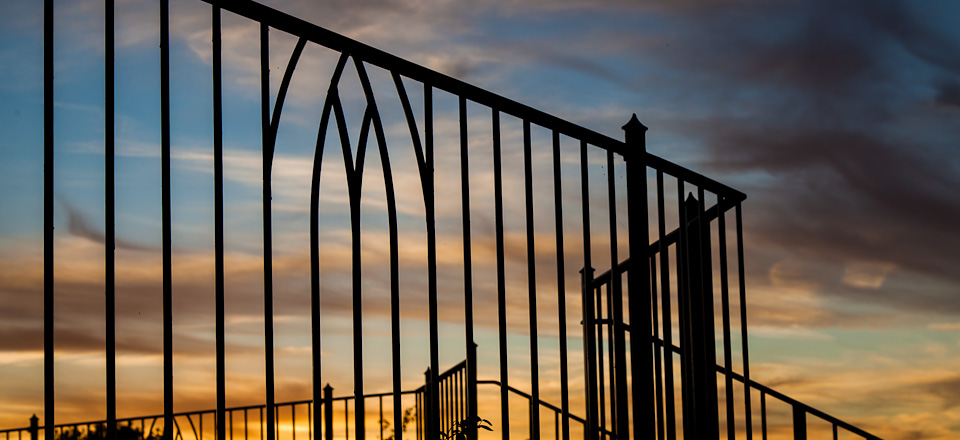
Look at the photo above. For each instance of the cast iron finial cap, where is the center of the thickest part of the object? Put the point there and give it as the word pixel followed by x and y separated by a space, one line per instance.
pixel 634 124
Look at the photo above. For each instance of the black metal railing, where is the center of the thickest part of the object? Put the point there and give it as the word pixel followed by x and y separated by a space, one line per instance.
pixel 521 165
pixel 602 293
pixel 248 422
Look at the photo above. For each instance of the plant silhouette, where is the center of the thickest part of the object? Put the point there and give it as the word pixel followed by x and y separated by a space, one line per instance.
pixel 458 430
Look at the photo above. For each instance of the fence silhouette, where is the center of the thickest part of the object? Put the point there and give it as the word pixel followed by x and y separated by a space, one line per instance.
pixel 648 341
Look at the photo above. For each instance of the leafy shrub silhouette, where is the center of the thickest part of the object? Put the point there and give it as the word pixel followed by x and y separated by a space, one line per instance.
pixel 99 432
pixel 458 430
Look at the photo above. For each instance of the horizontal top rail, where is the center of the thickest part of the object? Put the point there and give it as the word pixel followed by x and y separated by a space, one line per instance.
pixel 332 40
pixel 784 398
pixel 806 408
pixel 160 416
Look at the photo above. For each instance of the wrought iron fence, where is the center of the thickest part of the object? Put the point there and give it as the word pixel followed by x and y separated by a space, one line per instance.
pixel 246 422
pixel 634 318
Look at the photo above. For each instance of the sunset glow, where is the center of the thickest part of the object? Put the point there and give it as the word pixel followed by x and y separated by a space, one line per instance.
pixel 839 123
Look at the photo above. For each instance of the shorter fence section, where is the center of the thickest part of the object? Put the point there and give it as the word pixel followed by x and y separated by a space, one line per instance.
pixel 295 419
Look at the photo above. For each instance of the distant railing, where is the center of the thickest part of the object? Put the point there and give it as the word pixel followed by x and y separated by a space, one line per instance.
pixel 189 425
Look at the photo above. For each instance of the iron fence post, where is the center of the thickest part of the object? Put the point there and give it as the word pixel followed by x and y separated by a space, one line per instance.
pixel 589 354
pixel 799 423
pixel 328 411
pixel 472 415
pixel 699 352
pixel 34 427
pixel 641 351
pixel 429 418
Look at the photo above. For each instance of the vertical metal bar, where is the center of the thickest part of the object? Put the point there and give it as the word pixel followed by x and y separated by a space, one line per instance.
pixel 799 422
pixel 359 411
pixel 561 291
pixel 327 412
pixel 452 392
pixel 597 294
pixel 611 349
pixel 470 429
pixel 705 284
pixel 725 311
pixel 380 405
pixel 618 371
pixel 670 400
pixel 110 314
pixel 441 408
pixel 394 296
pixel 531 286
pixel 267 228
pixel 426 405
pixel 166 220
pixel 433 416
pixel 218 218
pixel 315 324
pixel 310 421
pixel 639 296
pixel 556 425
pixel 586 275
pixel 393 228
pixel 763 414
pixel 658 345
pixel 700 313
pixel 394 282
pixel 743 326
pixel 835 434
pixel 231 425
pixel 293 421
pixel 501 279
pixel 449 403
pixel 686 370
pixel 48 191
pixel 346 419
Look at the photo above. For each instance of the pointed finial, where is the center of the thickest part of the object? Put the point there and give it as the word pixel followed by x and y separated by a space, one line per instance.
pixel 634 124
pixel 634 135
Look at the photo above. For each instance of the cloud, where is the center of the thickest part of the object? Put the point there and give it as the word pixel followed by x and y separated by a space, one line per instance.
pixel 836 119
pixel 948 390
pixel 948 95
pixel 945 326
pixel 801 105
pixel 78 225
pixel 866 275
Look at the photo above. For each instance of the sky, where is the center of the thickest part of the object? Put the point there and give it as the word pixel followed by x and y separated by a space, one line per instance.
pixel 838 120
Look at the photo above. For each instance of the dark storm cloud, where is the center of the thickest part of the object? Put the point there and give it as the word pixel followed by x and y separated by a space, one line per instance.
pixel 948 94
pixel 819 95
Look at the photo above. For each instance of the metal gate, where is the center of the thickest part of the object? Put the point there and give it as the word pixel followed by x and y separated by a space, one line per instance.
pixel 508 204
